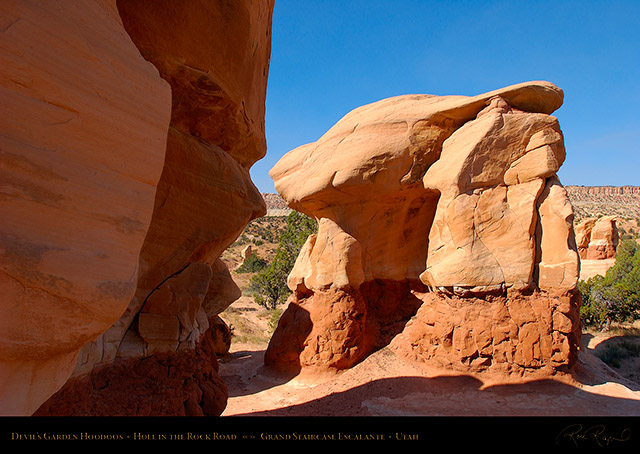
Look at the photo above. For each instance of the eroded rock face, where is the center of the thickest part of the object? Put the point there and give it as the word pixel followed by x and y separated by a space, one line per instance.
pixel 491 174
pixel 165 384
pixel 522 334
pixel 146 116
pixel 215 56
pixel 83 129
pixel 452 202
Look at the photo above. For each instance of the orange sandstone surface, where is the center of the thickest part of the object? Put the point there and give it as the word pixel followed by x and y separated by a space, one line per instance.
pixel 128 131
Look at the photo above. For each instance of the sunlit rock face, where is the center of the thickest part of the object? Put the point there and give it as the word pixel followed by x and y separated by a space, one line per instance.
pixel 215 56
pixel 445 211
pixel 597 238
pixel 130 130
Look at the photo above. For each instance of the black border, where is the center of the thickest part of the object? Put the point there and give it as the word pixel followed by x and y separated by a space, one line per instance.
pixel 566 433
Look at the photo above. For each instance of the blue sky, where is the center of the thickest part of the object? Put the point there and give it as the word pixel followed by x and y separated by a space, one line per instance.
pixel 329 57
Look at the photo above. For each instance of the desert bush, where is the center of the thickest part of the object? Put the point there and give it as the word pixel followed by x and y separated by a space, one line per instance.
pixel 274 319
pixel 252 264
pixel 269 286
pixel 614 297
pixel 616 351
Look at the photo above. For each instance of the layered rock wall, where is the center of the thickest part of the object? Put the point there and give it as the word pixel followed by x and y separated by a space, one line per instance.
pixel 586 191
pixel 598 201
pixel 445 211
pixel 129 135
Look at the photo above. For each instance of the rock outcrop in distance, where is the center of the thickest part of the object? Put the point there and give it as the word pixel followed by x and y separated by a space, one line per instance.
pixel 444 233
pixel 597 238
pixel 275 205
pixel 128 131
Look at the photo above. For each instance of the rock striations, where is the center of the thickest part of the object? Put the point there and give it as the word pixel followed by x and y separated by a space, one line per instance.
pixel 128 131
pixel 84 125
pixel 444 233
pixel 596 201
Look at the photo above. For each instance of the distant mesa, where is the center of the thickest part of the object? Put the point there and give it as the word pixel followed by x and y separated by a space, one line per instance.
pixel 581 191
pixel 444 233
pixel 276 206
pixel 596 201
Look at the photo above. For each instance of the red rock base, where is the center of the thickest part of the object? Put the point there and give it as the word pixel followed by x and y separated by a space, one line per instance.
pixel 519 335
pixel 185 383
pixel 522 335
pixel 338 328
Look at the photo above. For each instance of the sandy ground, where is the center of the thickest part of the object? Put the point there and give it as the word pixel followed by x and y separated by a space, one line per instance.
pixel 387 385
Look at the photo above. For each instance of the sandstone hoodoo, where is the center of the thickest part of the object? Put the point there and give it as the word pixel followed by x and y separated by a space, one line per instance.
pixel 444 233
pixel 597 238
pixel 129 129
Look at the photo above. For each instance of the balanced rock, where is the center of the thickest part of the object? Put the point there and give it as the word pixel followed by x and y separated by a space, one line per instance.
pixel 445 211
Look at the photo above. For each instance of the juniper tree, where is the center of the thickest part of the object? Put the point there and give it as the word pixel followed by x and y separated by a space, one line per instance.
pixel 269 286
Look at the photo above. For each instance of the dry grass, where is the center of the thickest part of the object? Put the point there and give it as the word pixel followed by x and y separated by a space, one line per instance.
pixel 250 323
pixel 619 347
pixel 243 328
pixel 617 329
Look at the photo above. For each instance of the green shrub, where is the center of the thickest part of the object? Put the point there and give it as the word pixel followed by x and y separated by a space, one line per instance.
pixel 616 351
pixel 275 318
pixel 614 297
pixel 269 286
pixel 252 264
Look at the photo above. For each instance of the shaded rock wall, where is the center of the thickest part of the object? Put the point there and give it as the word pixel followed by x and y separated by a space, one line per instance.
pixel 190 84
pixel 84 122
pixel 450 208
pixel 164 384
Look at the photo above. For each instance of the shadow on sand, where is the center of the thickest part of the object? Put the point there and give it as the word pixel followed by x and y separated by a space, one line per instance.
pixel 450 395
pixel 607 355
pixel 239 366
pixel 460 396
